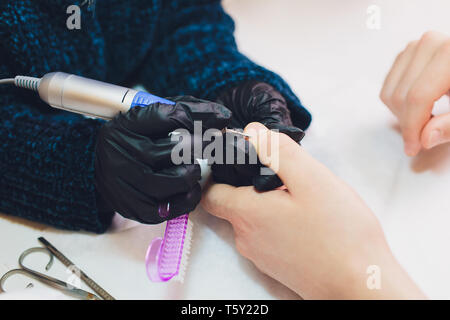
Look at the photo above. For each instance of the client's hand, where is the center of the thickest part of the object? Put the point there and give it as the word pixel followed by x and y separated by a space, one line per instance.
pixel 135 172
pixel 317 237
pixel 419 77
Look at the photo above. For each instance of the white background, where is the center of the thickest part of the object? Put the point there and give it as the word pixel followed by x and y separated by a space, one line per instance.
pixel 336 65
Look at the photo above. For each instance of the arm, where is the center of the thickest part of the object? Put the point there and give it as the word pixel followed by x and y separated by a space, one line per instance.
pixel 46 156
pixel 47 166
pixel 195 53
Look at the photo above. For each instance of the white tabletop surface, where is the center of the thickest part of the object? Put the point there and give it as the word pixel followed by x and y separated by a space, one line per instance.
pixel 336 64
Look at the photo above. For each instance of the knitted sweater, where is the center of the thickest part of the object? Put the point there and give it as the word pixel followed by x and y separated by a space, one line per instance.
pixel 172 47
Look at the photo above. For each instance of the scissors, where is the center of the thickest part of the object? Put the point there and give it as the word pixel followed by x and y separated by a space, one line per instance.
pixel 53 282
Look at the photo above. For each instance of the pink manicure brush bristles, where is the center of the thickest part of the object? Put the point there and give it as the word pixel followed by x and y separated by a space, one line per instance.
pixel 167 257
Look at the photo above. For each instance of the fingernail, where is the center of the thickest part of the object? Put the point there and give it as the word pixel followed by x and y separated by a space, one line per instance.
pixel 411 149
pixel 435 138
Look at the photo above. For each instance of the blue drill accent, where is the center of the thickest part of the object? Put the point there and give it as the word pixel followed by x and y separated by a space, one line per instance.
pixel 144 99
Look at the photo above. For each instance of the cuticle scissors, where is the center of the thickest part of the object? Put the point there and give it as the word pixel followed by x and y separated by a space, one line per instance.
pixel 51 281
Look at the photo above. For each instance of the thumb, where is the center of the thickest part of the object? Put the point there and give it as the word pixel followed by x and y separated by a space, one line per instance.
pixel 280 153
pixel 436 131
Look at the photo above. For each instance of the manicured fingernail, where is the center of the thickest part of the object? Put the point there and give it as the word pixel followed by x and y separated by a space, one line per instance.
pixel 435 138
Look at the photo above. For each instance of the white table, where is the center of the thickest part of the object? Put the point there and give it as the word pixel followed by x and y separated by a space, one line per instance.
pixel 336 64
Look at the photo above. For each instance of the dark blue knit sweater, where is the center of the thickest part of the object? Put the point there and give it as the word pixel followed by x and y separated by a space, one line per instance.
pixel 172 47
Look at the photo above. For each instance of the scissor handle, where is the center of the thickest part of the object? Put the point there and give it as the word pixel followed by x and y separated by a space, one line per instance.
pixel 53 282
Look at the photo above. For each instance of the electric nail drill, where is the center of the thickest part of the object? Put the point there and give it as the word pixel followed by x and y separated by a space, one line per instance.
pixel 86 96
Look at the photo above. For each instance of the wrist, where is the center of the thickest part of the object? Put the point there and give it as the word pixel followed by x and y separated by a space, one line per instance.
pixel 377 275
pixel 366 271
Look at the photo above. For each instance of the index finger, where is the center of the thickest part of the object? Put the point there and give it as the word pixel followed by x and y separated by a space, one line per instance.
pixel 233 203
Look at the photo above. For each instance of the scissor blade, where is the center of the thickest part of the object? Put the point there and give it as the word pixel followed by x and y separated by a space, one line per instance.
pixel 236 132
pixel 83 294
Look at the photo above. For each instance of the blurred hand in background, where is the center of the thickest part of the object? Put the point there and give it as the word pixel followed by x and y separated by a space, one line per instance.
pixel 418 78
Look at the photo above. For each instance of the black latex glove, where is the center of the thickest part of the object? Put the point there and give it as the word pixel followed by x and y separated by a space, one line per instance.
pixel 133 166
pixel 254 101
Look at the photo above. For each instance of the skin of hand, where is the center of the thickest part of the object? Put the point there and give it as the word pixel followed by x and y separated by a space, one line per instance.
pixel 316 236
pixel 418 78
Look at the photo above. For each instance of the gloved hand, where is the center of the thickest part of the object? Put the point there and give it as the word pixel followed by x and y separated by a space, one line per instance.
pixel 133 165
pixel 254 101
